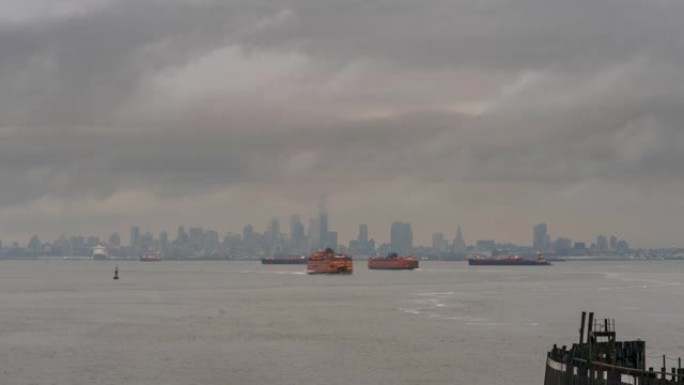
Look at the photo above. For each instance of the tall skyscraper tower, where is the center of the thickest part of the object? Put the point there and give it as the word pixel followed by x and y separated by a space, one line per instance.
pixel 135 237
pixel 363 234
pixel 323 230
pixel 439 244
pixel 401 237
pixel 273 235
pixel 314 240
pixel 296 228
pixel 602 243
pixel 115 240
pixel 613 242
pixel 297 236
pixel 459 245
pixel 540 236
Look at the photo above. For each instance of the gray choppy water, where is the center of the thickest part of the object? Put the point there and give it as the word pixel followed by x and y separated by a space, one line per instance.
pixel 206 323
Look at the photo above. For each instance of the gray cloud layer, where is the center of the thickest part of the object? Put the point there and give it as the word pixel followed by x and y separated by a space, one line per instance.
pixel 493 114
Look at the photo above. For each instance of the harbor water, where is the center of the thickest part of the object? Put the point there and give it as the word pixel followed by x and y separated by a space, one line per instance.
pixel 211 323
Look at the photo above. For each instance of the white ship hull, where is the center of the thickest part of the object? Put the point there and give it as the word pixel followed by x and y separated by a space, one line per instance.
pixel 100 253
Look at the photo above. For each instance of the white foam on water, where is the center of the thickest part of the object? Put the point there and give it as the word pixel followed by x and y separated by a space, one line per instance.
pixel 436 293
pixel 409 311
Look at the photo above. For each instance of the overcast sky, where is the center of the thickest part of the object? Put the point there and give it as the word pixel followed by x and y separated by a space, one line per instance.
pixel 491 114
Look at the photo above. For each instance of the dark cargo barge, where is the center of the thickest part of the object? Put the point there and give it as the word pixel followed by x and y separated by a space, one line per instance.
pixel 599 359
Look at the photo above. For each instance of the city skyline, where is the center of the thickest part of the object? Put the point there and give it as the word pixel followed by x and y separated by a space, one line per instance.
pixel 204 243
pixel 400 235
pixel 500 115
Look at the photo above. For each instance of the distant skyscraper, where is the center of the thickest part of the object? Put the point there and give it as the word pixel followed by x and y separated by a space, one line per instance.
pixel 135 237
pixel 540 237
pixel 622 245
pixel 273 234
pixel 146 242
pixel 362 245
pixel 563 244
pixel 363 234
pixel 298 243
pixel 331 239
pixel 602 243
pixel 459 245
pixel 314 234
pixel 211 241
pixel 439 244
pixel 323 230
pixel 164 242
pixel 197 238
pixel 296 228
pixel 115 240
pixel 613 242
pixel 486 244
pixel 248 233
pixel 181 236
pixel 401 237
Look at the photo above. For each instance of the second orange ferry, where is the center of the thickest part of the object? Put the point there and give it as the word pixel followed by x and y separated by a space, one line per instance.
pixel 327 262
pixel 393 262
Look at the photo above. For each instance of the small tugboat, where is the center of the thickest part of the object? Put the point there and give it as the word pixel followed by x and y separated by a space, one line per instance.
pixel 600 359
pixel 327 262
pixel 393 262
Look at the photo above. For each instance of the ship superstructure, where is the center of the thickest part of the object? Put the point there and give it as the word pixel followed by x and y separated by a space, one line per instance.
pixel 327 262
pixel 393 262
pixel 100 253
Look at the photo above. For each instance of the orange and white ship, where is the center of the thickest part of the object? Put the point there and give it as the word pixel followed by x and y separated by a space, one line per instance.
pixel 327 262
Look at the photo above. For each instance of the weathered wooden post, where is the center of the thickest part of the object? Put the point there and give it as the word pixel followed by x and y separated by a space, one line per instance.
pixel 581 331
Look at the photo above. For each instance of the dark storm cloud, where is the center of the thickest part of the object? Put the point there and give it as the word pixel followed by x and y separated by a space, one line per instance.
pixel 74 165
pixel 185 97
pixel 78 70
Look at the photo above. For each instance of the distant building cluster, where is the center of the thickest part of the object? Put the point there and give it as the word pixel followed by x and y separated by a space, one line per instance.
pixel 541 241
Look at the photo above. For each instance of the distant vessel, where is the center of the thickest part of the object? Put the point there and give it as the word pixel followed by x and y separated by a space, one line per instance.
pixel 150 258
pixel 556 259
pixel 327 262
pixel 393 262
pixel 284 260
pixel 100 253
pixel 509 261
pixel 600 359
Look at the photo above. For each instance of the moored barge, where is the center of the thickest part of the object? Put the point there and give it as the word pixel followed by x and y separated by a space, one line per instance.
pixel 509 261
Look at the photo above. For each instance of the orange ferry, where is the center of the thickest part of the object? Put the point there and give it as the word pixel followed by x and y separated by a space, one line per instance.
pixel 393 262
pixel 327 262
